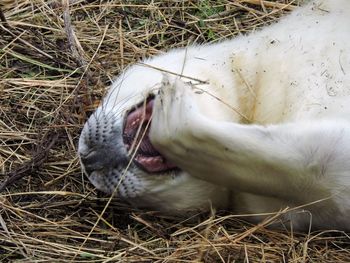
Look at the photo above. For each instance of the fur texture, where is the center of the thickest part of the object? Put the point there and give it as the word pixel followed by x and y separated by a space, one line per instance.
pixel 256 124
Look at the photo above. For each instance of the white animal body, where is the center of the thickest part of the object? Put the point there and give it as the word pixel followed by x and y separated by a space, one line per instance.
pixel 253 124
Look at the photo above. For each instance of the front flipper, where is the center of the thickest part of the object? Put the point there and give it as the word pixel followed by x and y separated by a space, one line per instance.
pixel 300 161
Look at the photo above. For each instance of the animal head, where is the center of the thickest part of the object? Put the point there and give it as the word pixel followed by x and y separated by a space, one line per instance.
pixel 117 155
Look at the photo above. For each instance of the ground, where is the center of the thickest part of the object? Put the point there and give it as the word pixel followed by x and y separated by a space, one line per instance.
pixel 56 60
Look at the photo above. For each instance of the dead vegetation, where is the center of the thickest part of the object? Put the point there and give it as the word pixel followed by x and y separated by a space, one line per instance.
pixel 56 58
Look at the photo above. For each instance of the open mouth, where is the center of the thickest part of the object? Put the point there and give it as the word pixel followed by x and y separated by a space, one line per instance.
pixel 135 136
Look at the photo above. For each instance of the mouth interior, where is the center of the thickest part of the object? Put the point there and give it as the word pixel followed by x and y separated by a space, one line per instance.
pixel 135 137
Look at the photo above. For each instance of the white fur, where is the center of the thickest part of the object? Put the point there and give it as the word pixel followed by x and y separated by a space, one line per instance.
pixel 263 120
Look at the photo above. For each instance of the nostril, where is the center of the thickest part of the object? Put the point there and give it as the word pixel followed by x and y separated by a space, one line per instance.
pixel 83 160
pixel 94 160
pixel 86 165
pixel 87 161
pixel 84 157
pixel 89 157
pixel 90 166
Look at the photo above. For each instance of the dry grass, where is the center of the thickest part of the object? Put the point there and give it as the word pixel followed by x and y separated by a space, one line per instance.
pixel 55 62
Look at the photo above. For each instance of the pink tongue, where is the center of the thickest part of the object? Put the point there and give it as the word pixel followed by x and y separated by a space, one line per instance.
pixel 146 156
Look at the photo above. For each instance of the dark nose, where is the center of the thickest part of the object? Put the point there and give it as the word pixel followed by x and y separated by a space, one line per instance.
pixel 103 158
pixel 94 160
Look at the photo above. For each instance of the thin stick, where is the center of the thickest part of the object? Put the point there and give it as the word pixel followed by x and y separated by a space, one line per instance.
pixel 73 42
pixel 3 18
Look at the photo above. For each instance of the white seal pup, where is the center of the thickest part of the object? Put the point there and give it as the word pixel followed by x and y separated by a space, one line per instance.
pixel 253 124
